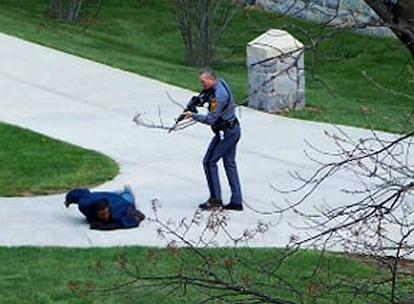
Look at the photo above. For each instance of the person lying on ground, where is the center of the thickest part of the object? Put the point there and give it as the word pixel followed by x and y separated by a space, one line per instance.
pixel 106 210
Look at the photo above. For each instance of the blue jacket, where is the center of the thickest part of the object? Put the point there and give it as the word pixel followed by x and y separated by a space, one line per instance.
pixel 120 208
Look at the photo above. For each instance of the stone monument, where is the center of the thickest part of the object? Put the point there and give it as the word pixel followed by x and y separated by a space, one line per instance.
pixel 276 76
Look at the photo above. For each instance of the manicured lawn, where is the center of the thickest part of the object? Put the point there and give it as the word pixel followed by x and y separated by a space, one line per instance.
pixel 143 37
pixel 47 275
pixel 34 164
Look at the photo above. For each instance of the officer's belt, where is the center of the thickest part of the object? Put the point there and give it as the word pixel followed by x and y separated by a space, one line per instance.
pixel 223 125
pixel 232 123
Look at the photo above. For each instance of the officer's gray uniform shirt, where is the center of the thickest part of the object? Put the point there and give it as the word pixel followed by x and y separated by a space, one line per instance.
pixel 221 105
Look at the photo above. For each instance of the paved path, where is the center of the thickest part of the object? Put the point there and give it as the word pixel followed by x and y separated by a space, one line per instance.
pixel 91 105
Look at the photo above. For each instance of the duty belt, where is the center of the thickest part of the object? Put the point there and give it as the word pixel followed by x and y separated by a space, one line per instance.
pixel 232 123
pixel 225 124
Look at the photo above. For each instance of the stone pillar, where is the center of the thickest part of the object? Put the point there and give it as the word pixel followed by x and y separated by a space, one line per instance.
pixel 276 76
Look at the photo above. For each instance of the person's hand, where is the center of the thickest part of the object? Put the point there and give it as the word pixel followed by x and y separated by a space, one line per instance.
pixel 188 114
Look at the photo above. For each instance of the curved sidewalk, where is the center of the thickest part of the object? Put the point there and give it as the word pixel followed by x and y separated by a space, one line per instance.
pixel 91 105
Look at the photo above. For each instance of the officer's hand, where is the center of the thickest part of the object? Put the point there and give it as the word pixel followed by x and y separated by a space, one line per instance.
pixel 188 114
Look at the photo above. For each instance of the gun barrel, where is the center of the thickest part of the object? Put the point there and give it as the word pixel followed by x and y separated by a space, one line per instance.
pixel 180 118
pixel 191 107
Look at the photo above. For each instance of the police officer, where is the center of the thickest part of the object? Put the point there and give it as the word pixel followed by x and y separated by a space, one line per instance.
pixel 223 121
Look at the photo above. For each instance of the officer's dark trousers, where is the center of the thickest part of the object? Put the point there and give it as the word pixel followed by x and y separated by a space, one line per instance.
pixel 223 148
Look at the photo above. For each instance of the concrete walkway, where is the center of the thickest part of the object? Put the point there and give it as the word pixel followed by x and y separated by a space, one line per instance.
pixel 91 105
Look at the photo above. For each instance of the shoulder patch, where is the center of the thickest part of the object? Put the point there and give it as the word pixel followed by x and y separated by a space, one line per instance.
pixel 213 104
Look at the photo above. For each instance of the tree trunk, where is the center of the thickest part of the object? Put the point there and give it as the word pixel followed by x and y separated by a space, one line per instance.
pixel 71 10
pixel 202 23
pixel 74 10
pixel 56 8
pixel 399 18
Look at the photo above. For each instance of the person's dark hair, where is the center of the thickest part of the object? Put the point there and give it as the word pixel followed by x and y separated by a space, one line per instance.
pixel 101 204
pixel 208 72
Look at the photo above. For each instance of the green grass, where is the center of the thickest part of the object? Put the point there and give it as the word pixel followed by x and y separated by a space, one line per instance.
pixel 34 164
pixel 143 37
pixel 47 275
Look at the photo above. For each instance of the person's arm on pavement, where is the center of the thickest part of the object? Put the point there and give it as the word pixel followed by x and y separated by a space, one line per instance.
pixel 132 219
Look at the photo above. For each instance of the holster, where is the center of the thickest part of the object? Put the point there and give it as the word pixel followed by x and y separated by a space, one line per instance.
pixel 222 125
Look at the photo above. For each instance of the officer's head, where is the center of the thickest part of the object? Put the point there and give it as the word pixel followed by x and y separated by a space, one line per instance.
pixel 207 78
pixel 102 210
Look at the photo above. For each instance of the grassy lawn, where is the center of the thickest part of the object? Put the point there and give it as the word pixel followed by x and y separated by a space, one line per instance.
pixel 49 274
pixel 143 37
pixel 34 164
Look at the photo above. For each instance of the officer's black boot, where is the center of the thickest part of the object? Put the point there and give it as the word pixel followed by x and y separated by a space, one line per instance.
pixel 233 206
pixel 211 204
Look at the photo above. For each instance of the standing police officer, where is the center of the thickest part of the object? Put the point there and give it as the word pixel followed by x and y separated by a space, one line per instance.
pixel 223 121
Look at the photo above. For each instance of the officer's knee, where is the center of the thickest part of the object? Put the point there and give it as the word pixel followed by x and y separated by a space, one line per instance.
pixel 229 163
pixel 208 163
